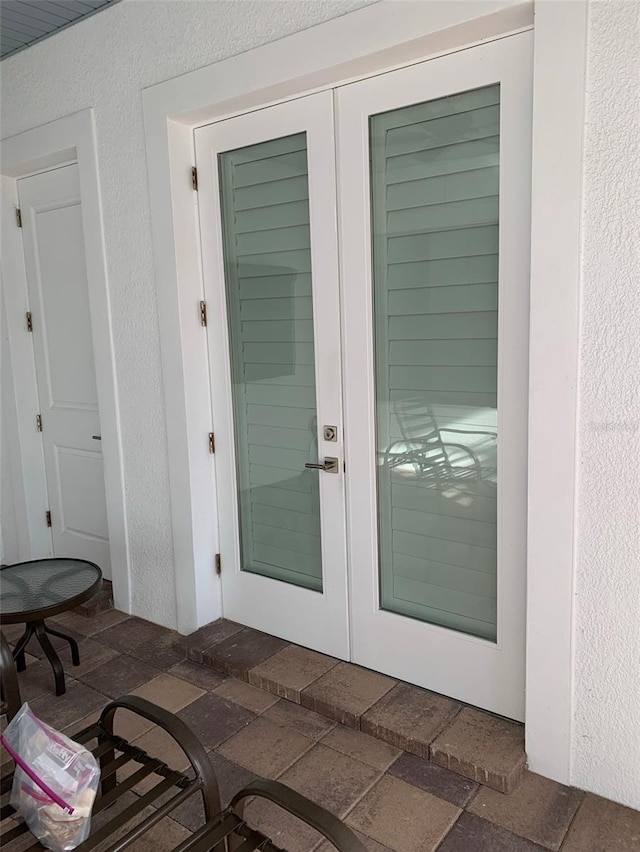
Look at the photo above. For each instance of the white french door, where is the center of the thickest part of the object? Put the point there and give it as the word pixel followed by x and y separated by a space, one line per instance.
pixel 269 247
pixel 434 205
pixel 410 558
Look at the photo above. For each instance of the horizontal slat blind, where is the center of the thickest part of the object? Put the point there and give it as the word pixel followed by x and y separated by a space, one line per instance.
pixel 268 281
pixel 435 210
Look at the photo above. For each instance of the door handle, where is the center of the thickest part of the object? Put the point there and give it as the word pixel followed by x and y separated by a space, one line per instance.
pixel 96 437
pixel 329 465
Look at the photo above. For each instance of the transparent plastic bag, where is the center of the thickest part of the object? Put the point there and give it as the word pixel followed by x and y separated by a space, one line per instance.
pixel 55 781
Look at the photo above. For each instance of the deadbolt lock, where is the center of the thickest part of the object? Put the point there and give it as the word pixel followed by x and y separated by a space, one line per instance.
pixel 330 433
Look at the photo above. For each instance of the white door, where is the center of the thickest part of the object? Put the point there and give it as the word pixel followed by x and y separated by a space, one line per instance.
pixel 434 164
pixel 432 179
pixel 59 308
pixel 268 228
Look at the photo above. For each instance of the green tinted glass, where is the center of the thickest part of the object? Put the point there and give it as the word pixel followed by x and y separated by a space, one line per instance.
pixel 265 212
pixel 435 186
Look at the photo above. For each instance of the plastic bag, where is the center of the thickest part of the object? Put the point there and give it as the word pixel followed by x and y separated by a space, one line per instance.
pixel 55 781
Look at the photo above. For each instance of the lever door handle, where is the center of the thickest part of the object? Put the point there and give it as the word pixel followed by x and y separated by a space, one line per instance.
pixel 329 465
pixel 96 437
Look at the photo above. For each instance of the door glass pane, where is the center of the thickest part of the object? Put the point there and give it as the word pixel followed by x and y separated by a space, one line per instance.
pixel 265 212
pixel 435 183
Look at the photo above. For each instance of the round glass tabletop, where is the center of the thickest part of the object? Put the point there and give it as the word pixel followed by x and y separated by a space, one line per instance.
pixel 31 591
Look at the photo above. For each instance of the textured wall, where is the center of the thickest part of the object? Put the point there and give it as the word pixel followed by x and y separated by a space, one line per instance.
pixel 606 745
pixel 105 62
pixel 8 522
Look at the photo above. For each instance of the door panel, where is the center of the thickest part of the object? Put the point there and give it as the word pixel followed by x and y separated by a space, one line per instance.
pixel 66 326
pixel 434 162
pixel 268 214
pixel 59 303
pixel 81 473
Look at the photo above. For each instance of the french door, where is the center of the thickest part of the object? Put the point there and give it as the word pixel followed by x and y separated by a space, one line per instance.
pixel 270 257
pixel 394 280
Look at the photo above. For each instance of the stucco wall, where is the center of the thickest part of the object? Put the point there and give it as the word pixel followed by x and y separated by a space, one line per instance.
pixel 606 736
pixel 107 60
pixel 104 63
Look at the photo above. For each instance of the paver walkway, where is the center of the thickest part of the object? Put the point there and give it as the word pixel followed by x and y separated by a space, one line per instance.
pixel 264 721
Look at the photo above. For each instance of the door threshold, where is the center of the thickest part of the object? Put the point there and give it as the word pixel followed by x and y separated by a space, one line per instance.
pixel 473 743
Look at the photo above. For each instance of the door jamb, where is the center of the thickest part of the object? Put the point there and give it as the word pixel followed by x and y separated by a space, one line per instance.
pixel 49 146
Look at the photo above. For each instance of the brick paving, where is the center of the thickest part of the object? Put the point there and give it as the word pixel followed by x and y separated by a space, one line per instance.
pixel 470 742
pixel 380 754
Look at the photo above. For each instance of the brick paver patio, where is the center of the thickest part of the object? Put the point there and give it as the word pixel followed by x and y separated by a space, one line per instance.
pixel 379 753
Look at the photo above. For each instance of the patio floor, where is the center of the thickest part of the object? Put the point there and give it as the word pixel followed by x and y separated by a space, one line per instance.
pixel 374 751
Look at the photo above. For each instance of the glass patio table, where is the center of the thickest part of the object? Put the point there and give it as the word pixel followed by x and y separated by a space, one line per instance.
pixel 41 588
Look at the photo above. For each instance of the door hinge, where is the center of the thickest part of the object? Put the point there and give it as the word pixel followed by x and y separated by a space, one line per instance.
pixel 218 564
pixel 29 321
pixel 203 314
pixel 194 178
pixel 39 422
pixel 212 443
pixel 18 217
pixel 48 519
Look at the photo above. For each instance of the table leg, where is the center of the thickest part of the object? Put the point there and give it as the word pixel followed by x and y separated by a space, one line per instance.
pixel 75 653
pixel 50 652
pixel 21 644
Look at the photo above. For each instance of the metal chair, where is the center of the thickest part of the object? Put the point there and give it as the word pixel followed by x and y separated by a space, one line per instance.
pixel 115 818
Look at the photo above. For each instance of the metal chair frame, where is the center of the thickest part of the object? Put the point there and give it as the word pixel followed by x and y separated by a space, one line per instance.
pixel 222 831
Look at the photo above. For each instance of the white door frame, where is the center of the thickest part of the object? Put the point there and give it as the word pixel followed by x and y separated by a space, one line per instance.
pixel 378 38
pixel 66 140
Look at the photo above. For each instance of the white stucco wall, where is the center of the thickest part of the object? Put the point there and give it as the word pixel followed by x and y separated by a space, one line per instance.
pixel 606 735
pixel 104 62
pixel 107 60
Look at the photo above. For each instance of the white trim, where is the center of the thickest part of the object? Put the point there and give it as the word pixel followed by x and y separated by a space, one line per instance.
pixel 374 39
pixel 558 123
pixel 183 346
pixel 46 147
